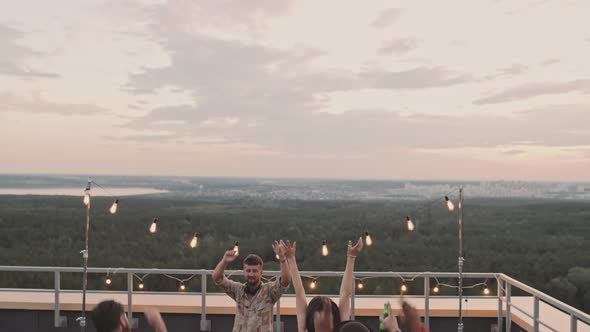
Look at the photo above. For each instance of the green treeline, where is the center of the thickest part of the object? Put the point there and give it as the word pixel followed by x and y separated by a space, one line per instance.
pixel 543 243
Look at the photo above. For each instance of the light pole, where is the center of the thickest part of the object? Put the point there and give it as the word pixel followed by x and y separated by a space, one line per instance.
pixel 112 210
pixel 460 261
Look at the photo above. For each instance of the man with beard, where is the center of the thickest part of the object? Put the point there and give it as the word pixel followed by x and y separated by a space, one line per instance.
pixel 254 299
pixel 109 316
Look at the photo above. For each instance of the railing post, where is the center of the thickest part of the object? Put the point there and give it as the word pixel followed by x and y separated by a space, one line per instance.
pixel 205 324
pixel 536 314
pixel 133 321
pixel 58 321
pixel 500 306
pixel 352 296
pixel 508 305
pixel 427 300
pixel 573 323
pixel 278 323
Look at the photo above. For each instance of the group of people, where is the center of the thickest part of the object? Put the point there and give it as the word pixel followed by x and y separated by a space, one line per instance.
pixel 255 299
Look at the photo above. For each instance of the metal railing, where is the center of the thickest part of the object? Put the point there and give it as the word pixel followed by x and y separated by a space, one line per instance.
pixel 505 285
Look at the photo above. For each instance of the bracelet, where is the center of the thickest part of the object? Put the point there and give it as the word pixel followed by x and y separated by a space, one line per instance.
pixel 282 260
pixel 351 256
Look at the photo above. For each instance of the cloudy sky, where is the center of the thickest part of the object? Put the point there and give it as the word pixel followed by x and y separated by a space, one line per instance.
pixel 415 89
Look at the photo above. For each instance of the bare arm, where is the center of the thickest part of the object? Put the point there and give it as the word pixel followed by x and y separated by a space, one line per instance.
pixel 346 286
pixel 155 320
pixel 280 250
pixel 300 298
pixel 228 257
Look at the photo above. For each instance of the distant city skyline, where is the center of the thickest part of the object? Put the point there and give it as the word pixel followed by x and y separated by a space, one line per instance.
pixel 477 90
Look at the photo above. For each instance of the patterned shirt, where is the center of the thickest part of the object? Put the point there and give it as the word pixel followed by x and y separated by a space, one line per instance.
pixel 253 314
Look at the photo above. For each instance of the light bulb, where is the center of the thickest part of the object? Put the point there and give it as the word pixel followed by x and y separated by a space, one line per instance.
pixel 368 239
pixel 194 241
pixel 86 199
pixel 486 290
pixel 113 208
pixel 237 248
pixel 182 286
pixel 141 285
pixel 325 251
pixel 108 280
pixel 154 226
pixel 360 285
pixel 277 256
pixel 313 284
pixel 410 224
pixel 404 288
pixel 450 204
pixel 436 289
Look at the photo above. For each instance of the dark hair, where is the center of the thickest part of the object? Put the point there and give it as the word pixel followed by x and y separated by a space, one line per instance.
pixel 317 305
pixel 106 315
pixel 352 326
pixel 253 260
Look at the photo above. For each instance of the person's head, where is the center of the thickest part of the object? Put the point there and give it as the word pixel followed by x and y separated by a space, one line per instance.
pixel 316 310
pixel 253 270
pixel 351 326
pixel 109 316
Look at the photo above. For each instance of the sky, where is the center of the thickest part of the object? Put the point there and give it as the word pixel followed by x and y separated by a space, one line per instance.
pixel 473 89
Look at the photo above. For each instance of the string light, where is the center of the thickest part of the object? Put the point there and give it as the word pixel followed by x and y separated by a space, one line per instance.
pixel 113 208
pixel 86 199
pixel 436 289
pixel 108 280
pixel 182 286
pixel 410 224
pixel 450 204
pixel 313 284
pixel 360 285
pixel 237 248
pixel 404 288
pixel 140 285
pixel 368 239
pixel 486 290
pixel 195 240
pixel 325 251
pixel 277 256
pixel 154 226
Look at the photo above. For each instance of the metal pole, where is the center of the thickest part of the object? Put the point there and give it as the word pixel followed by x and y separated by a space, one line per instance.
pixel 460 261
pixel 352 295
pixel 508 305
pixel 85 272
pixel 573 323
pixel 129 296
pixel 205 324
pixel 500 313
pixel 536 314
pixel 56 283
pixel 278 317
pixel 427 301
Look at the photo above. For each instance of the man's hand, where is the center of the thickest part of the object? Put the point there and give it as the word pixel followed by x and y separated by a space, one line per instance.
pixel 279 249
pixel 290 249
pixel 390 323
pixel 229 256
pixel 356 250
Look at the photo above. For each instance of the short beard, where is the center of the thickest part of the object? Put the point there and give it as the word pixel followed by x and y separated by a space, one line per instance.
pixel 252 288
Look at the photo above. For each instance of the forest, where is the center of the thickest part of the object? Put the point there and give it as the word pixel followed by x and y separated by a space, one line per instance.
pixel 544 243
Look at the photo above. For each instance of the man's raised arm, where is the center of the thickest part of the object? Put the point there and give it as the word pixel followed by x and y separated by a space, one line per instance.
pixel 228 257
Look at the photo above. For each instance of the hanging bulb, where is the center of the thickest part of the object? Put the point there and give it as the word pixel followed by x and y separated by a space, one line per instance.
pixel 237 248
pixel 450 204
pixel 436 289
pixel 313 284
pixel 325 251
pixel 360 285
pixel 154 226
pixel 410 224
pixel 195 240
pixel 277 256
pixel 404 288
pixel 182 286
pixel 368 239
pixel 108 280
pixel 86 199
pixel 140 285
pixel 113 208
pixel 486 290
